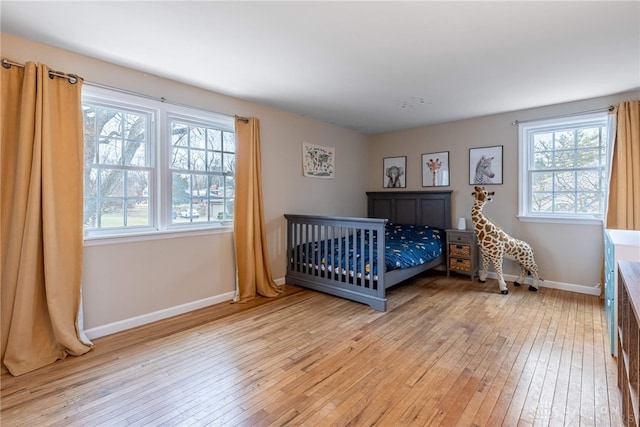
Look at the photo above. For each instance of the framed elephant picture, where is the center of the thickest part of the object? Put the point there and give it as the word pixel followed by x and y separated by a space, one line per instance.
pixel 395 170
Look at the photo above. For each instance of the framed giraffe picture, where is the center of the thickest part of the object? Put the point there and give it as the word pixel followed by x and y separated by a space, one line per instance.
pixel 485 165
pixel 435 169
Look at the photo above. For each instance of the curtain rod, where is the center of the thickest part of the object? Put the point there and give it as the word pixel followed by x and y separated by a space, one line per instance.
pixel 597 110
pixel 242 119
pixel 7 64
pixel 73 79
pixel 144 95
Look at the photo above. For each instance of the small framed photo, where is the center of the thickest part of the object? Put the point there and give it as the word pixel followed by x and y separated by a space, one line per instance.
pixel 435 169
pixel 485 165
pixel 395 169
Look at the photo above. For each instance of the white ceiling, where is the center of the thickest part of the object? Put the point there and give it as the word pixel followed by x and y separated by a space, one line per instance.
pixel 368 66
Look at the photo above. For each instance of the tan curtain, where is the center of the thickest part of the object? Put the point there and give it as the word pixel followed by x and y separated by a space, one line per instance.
pixel 41 215
pixel 252 257
pixel 623 210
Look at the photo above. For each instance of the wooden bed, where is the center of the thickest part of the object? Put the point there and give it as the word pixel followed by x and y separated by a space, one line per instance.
pixel 358 282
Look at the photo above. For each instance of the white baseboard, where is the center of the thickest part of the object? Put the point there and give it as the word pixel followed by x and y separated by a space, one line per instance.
pixel 581 289
pixel 123 325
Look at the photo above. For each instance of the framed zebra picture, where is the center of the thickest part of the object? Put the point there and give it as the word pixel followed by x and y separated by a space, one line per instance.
pixel 485 165
pixel 435 169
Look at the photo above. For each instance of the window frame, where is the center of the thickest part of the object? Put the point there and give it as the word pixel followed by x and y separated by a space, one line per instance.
pixel 218 121
pixel 525 149
pixel 160 185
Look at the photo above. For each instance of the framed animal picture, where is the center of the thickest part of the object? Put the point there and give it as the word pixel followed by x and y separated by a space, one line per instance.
pixel 435 169
pixel 485 165
pixel 395 169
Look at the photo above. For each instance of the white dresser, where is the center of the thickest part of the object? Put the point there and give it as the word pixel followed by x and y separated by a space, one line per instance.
pixel 618 245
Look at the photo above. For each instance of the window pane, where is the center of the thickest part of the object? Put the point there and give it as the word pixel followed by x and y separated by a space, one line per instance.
pixel 216 208
pixel 180 189
pixel 229 142
pixel 542 181
pixel 229 163
pixel 565 159
pixel 214 140
pixel 589 202
pixel 565 202
pixel 564 181
pixel 111 183
pixel 109 123
pixel 542 142
pixel 229 186
pixel 590 157
pixel 135 153
pixel 216 184
pixel 90 183
pixel 90 212
pixel 90 139
pixel 179 132
pixel 542 160
pixel 542 202
pixel 564 140
pixel 111 213
pixel 215 162
pixel 588 137
pixel 135 127
pixel 197 137
pixel 199 185
pixel 110 151
pixel 179 158
pixel 138 184
pixel 589 180
pixel 137 213
pixel 198 160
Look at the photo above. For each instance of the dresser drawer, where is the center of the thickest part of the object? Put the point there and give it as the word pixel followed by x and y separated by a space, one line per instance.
pixel 461 238
pixel 459 264
pixel 460 250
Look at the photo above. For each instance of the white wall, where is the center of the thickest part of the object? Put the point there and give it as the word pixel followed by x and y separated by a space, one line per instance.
pixel 566 254
pixel 128 283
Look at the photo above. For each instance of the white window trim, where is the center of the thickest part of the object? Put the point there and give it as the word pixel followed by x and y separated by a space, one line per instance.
pixel 162 228
pixel 524 128
pixel 113 238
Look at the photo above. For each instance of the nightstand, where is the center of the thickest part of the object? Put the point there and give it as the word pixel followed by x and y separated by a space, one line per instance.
pixel 462 252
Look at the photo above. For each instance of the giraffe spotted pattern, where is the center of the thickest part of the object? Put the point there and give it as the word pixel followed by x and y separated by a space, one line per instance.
pixel 495 244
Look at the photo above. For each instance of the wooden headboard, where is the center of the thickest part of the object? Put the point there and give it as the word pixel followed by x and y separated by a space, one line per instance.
pixel 411 207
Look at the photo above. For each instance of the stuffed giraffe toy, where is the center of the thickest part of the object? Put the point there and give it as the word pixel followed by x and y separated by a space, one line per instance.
pixel 494 244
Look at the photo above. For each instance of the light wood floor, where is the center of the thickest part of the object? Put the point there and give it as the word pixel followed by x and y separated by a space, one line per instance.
pixel 447 352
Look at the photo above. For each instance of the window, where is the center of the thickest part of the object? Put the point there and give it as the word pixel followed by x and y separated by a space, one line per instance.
pixel 202 164
pixel 563 169
pixel 154 167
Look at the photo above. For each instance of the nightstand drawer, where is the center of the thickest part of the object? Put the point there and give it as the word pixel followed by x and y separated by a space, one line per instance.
pixel 461 238
pixel 459 264
pixel 460 250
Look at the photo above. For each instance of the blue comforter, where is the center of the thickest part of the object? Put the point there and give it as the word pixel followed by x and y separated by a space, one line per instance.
pixel 405 246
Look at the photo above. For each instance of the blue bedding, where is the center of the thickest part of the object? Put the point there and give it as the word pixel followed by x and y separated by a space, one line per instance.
pixel 405 246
